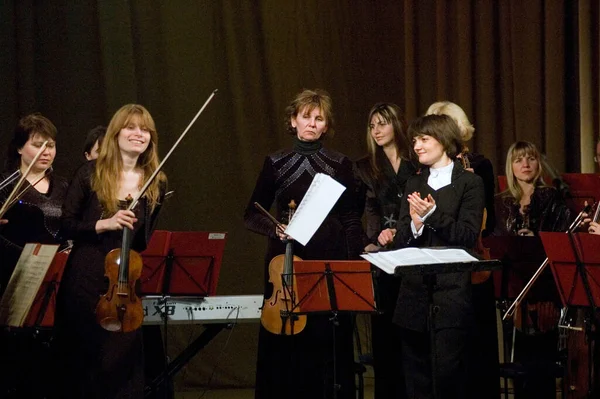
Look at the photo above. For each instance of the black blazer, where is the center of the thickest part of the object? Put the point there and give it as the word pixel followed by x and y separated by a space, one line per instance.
pixel 455 222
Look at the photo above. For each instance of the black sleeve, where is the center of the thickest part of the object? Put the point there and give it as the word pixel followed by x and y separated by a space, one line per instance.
pixel 404 236
pixel 463 229
pixel 557 216
pixel 264 194
pixel 347 209
pixel 367 203
pixel 78 196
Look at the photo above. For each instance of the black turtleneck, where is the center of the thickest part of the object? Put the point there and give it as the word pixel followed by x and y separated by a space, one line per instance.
pixel 307 147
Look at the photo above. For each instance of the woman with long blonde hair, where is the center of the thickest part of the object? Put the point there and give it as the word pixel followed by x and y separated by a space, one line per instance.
pixel 99 363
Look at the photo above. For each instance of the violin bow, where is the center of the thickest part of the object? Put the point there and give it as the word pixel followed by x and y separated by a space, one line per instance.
pixel 14 176
pixel 46 174
pixel 267 214
pixel 155 173
pixel 9 200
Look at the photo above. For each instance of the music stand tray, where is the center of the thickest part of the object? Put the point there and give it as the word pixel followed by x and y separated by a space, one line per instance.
pixel 325 286
pixel 564 265
pixel 41 314
pixel 183 263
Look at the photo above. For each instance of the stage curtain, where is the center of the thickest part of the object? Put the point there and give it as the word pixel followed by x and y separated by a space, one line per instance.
pixel 522 70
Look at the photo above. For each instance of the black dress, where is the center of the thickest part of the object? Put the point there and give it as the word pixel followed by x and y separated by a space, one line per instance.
pixel 34 218
pixel 301 366
pixel 455 222
pixel 97 363
pixel 534 349
pixel 380 201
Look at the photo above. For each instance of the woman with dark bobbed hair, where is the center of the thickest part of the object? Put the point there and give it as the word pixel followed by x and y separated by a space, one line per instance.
pixel 443 206
pixel 34 218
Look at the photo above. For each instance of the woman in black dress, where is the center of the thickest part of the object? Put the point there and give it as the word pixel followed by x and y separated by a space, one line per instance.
pixel 381 177
pixel 526 208
pixel 100 363
pixel 34 218
pixel 444 207
pixel 301 365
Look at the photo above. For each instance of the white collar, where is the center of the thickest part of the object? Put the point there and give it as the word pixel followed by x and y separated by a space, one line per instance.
pixel 440 177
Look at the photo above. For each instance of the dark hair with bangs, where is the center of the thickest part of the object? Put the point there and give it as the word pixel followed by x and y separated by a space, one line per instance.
pixel 310 99
pixel 28 126
pixel 442 128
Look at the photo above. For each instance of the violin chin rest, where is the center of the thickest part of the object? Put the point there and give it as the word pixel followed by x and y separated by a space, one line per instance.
pixel 111 324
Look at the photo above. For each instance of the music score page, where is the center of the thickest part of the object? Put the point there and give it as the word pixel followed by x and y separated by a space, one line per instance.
pixel 318 201
pixel 25 282
pixel 389 260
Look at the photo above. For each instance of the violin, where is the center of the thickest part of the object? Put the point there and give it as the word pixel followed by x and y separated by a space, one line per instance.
pixel 276 316
pixel 120 309
pixel 478 277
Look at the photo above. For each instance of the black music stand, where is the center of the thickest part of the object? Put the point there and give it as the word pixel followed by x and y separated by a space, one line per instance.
pixel 429 273
pixel 331 287
pixel 181 264
pixel 575 263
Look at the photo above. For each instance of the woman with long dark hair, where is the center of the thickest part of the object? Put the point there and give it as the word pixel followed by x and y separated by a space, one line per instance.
pixel 381 177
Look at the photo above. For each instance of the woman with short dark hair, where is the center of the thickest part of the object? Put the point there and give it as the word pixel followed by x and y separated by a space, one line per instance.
pixel 443 207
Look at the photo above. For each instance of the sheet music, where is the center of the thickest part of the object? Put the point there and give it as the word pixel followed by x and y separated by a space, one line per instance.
pixel 321 196
pixel 389 260
pixel 25 282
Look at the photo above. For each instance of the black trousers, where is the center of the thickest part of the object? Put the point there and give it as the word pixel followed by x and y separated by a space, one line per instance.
pixel 451 371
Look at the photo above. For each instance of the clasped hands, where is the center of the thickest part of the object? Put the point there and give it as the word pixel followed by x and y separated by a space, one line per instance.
pixel 418 208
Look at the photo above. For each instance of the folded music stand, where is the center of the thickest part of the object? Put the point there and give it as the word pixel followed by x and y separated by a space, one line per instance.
pixel 429 273
pixel 182 263
pixel 331 287
pixel 575 263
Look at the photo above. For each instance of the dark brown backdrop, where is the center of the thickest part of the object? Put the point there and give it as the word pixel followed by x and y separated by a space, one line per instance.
pixel 521 70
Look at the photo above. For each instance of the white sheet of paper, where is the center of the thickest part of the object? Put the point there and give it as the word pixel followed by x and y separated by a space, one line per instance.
pixel 321 196
pixel 25 282
pixel 389 260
